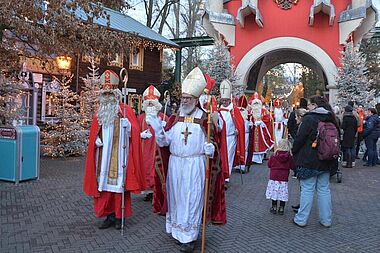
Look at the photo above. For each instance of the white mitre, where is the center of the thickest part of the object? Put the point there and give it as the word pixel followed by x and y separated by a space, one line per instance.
pixel 225 89
pixel 194 83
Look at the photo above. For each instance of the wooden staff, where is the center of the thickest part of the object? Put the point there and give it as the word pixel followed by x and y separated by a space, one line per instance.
pixel 207 178
pixel 167 98
pixel 273 126
pixel 125 81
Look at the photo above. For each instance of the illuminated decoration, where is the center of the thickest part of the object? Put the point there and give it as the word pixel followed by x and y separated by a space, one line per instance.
pixel 116 61
pixel 63 62
pixel 285 4
pixel 136 58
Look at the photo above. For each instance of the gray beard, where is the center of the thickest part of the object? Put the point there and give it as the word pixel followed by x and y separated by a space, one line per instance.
pixel 108 112
pixel 187 109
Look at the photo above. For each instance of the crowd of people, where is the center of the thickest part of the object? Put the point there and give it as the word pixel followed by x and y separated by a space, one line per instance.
pixel 183 163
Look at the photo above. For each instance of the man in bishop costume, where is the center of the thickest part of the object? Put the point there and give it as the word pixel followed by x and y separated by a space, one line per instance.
pixel 181 181
pixel 104 177
pixel 235 130
pixel 280 121
pixel 150 106
pixel 261 132
pixel 242 105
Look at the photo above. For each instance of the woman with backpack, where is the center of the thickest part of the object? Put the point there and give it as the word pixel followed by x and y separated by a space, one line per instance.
pixel 371 133
pixel 313 164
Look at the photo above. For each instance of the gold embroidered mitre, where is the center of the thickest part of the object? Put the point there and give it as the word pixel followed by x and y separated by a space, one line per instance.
pixel 194 83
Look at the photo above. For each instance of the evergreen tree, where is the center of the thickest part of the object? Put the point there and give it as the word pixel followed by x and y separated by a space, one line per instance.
pixel 90 94
pixel 371 48
pixel 352 81
pixel 219 67
pixel 66 136
pixel 10 93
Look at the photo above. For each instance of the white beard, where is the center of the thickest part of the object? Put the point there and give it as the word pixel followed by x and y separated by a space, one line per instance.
pixel 151 110
pixel 278 114
pixel 188 108
pixel 256 110
pixel 108 110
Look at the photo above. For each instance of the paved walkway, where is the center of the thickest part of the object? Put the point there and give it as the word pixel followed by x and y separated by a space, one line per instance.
pixel 53 215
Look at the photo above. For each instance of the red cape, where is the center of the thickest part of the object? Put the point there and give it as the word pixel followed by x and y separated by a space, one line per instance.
pixel 217 206
pixel 135 178
pixel 240 145
pixel 148 149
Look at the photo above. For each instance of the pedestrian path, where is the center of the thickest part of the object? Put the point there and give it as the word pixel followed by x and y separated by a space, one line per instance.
pixel 54 215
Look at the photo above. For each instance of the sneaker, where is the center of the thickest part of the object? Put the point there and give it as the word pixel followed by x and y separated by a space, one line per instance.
pixel 281 210
pixel 325 225
pixel 299 225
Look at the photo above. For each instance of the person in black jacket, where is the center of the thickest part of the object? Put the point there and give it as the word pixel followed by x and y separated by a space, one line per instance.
pixel 314 174
pixel 349 127
pixel 292 122
pixel 371 133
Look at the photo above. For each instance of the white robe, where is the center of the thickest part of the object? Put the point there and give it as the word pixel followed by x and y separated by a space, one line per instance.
pixel 231 136
pixel 107 135
pixel 185 179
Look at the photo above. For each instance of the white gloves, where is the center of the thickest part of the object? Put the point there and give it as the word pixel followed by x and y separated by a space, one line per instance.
pixel 285 122
pixel 146 134
pixel 98 142
pixel 124 122
pixel 250 124
pixel 163 123
pixel 155 123
pixel 259 123
pixel 209 149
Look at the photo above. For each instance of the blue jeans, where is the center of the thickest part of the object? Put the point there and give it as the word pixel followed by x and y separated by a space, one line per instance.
pixel 370 143
pixel 321 184
pixel 349 154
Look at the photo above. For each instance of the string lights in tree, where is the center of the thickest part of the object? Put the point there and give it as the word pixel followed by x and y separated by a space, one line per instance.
pixel 66 135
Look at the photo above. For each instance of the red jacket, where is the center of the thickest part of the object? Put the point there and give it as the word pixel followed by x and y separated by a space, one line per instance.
pixel 280 163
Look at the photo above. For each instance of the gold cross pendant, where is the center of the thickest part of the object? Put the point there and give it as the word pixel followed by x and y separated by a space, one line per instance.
pixel 186 133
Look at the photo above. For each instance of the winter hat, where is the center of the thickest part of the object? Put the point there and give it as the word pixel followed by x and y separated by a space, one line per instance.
pixel 348 108
pixel 284 145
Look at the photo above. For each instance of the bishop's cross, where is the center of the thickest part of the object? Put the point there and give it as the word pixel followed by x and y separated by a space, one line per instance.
pixel 186 134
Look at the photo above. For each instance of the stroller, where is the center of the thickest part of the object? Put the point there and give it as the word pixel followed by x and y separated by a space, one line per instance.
pixel 339 168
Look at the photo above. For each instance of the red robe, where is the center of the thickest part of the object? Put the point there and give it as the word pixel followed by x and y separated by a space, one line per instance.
pixel 239 157
pixel 260 139
pixel 148 149
pixel 106 203
pixel 216 203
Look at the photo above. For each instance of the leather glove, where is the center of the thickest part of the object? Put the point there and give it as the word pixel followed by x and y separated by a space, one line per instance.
pixel 209 149
pixel 146 134
pixel 98 142
pixel 154 122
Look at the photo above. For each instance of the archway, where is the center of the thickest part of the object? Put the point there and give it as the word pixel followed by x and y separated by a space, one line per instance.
pixel 257 61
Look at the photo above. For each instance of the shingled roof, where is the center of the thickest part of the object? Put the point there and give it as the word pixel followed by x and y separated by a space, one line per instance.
pixel 125 23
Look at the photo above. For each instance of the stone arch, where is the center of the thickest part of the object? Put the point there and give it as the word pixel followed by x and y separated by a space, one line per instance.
pixel 308 48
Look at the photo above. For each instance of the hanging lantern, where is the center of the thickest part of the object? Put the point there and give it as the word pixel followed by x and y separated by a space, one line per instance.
pixel 63 62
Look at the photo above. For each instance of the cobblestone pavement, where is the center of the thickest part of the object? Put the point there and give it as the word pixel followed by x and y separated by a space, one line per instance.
pixel 53 215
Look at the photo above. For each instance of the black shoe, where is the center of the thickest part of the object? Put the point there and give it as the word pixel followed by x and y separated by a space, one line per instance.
pixel 280 210
pixel 226 185
pixel 295 210
pixel 108 222
pixel 296 206
pixel 118 224
pixel 187 247
pixel 366 165
pixel 177 242
pixel 148 197
pixel 273 210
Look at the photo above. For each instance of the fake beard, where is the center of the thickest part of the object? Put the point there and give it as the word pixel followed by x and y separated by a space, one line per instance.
pixel 278 114
pixel 256 111
pixel 108 110
pixel 187 109
pixel 149 109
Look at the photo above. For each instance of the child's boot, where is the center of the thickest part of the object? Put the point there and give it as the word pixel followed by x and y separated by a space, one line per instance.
pixel 281 208
pixel 273 209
